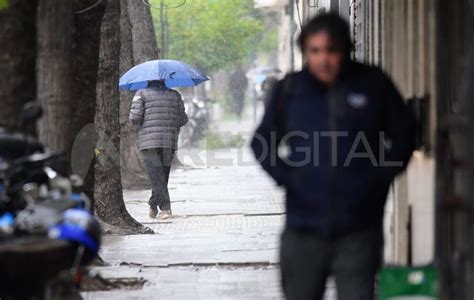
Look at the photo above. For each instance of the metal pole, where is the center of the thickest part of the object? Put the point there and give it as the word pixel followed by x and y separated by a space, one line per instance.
pixel 291 12
pixel 163 37
pixel 334 6
pixel 442 230
pixel 454 189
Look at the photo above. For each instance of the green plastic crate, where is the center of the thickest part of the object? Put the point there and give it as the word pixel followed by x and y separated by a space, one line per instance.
pixel 408 283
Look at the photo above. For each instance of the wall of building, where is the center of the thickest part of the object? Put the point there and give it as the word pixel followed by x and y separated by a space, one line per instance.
pixel 294 14
pixel 291 16
pixel 401 36
pixel 284 42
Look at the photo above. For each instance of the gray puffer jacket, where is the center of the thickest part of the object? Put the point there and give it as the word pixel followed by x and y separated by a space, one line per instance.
pixel 159 112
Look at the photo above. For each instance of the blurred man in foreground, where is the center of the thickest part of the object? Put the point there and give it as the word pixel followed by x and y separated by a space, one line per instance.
pixel 349 133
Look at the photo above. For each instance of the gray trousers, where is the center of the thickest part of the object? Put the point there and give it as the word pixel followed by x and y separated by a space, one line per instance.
pixel 158 165
pixel 307 261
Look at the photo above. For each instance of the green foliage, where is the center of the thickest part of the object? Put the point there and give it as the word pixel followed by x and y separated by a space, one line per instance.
pixel 269 41
pixel 3 4
pixel 211 34
pixel 220 141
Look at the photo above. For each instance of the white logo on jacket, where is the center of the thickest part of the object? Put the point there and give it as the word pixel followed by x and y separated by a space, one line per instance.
pixel 357 100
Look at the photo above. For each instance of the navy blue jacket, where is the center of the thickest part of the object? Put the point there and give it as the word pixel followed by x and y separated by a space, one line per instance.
pixel 346 144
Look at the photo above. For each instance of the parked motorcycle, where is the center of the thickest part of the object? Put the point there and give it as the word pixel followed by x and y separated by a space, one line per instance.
pixel 198 112
pixel 46 229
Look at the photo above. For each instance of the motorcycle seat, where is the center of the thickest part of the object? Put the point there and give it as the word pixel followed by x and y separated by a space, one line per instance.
pixel 16 145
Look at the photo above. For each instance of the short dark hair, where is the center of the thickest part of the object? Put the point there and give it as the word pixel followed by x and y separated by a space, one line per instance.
pixel 337 27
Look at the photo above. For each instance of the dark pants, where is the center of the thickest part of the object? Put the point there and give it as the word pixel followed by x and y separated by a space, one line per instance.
pixel 239 104
pixel 158 165
pixel 307 261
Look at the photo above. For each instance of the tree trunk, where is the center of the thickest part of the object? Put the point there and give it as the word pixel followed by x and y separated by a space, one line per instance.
pixel 133 172
pixel 109 202
pixel 143 32
pixel 139 45
pixel 86 45
pixel 54 72
pixel 17 59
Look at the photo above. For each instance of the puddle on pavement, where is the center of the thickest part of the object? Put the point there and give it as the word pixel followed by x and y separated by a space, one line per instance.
pixel 98 283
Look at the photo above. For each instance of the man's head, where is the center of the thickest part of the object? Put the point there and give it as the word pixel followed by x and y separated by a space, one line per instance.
pixel 157 83
pixel 326 44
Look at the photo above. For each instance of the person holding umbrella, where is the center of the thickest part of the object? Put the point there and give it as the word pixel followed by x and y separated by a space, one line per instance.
pixel 159 112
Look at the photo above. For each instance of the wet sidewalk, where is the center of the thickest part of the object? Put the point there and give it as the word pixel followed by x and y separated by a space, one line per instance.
pixel 221 244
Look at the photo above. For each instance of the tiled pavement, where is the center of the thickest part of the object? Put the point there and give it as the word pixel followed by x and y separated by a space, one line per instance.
pixel 221 244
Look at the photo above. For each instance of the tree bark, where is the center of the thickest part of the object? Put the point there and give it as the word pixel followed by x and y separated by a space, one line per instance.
pixel 143 32
pixel 110 206
pixel 17 59
pixel 133 172
pixel 138 46
pixel 86 45
pixel 54 72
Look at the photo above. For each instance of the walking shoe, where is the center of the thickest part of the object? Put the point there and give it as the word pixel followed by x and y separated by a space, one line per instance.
pixel 165 214
pixel 153 212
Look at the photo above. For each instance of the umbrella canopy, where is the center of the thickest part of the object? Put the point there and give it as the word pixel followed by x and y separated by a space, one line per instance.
pixel 174 73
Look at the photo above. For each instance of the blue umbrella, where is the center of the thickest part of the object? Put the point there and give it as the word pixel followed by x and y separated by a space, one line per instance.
pixel 174 73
